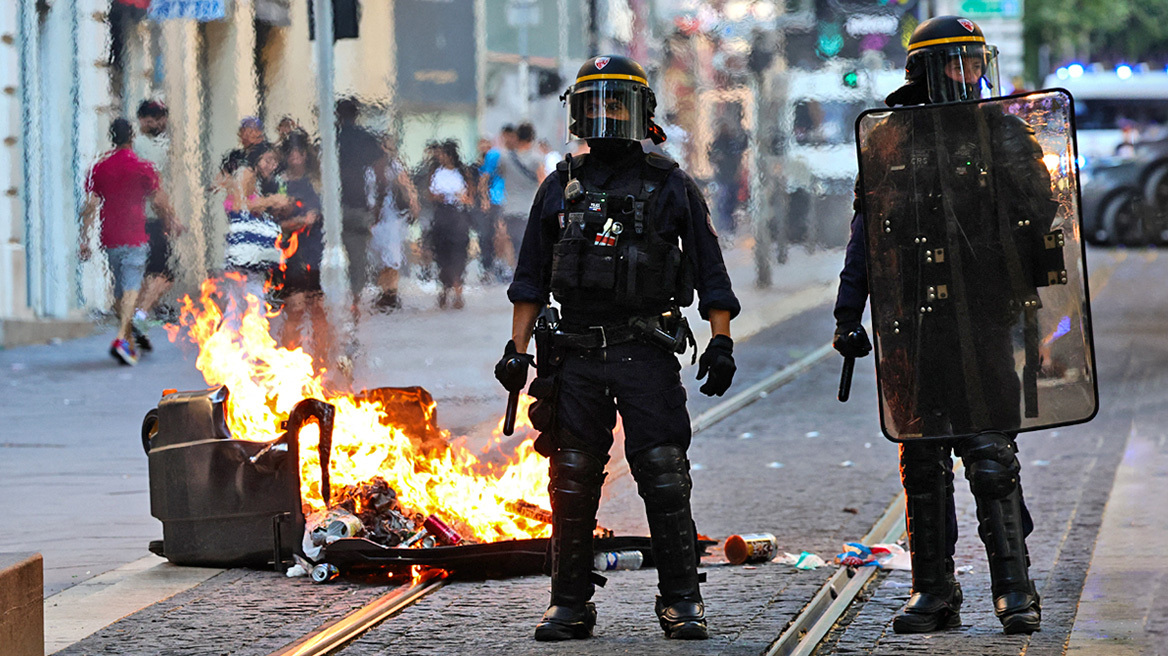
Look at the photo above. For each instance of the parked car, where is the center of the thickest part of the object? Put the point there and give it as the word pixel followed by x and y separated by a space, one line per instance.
pixel 1125 198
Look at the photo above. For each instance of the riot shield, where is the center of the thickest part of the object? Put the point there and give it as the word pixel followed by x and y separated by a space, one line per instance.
pixel 976 267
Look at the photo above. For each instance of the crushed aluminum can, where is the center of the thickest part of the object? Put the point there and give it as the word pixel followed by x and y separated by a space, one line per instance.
pixel 324 572
pixel 441 531
pixel 750 548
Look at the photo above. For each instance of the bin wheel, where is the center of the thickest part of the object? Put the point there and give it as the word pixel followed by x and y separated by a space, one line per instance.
pixel 149 429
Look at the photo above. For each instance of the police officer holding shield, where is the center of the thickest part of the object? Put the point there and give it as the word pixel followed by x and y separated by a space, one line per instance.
pixel 955 240
pixel 621 239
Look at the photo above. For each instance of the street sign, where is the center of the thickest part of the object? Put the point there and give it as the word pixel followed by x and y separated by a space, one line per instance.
pixel 200 10
pixel 995 8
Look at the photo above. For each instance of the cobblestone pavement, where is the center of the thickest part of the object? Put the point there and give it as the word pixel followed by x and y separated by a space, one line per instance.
pixel 774 467
pixel 1067 476
pixel 814 472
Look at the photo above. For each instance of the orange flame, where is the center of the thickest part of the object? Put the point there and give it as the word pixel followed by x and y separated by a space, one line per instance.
pixel 266 381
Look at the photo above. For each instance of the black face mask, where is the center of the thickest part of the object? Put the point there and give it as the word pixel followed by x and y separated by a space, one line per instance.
pixel 612 150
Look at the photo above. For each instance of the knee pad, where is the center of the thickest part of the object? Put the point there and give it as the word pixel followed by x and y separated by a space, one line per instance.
pixel 576 478
pixel 662 475
pixel 924 467
pixel 990 465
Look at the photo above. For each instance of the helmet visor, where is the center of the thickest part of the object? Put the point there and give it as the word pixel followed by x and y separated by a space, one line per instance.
pixel 607 109
pixel 961 71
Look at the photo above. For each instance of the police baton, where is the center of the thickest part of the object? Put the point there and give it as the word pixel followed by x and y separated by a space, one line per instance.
pixel 512 410
pixel 845 387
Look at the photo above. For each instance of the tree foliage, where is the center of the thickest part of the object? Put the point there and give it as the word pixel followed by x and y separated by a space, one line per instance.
pixel 1108 31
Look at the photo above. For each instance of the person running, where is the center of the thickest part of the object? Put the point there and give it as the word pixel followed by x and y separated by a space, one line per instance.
pixel 153 145
pixel 120 185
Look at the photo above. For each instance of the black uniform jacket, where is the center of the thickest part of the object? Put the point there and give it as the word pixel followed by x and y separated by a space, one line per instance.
pixel 679 213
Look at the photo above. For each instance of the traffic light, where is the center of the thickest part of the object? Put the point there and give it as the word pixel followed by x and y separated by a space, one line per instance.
pixel 851 79
pixel 830 40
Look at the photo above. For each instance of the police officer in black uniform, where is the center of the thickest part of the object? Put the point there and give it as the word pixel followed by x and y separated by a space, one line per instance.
pixel 949 61
pixel 621 239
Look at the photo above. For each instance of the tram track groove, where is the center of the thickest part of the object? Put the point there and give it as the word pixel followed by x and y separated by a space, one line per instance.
pixel 338 633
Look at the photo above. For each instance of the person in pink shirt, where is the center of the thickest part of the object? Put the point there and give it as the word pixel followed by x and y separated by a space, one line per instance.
pixel 120 185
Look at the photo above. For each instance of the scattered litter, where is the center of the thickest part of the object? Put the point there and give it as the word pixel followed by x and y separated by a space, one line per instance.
pixel 775 465
pixel 884 556
pixel 847 463
pixel 762 395
pixel 964 569
pixel 301 568
pixel 896 583
pixel 749 567
pixel 805 560
pixel 1040 463
pixel 854 511
pixel 812 434
pixel 697 466
pixel 867 445
pixel 750 548
pixel 746 436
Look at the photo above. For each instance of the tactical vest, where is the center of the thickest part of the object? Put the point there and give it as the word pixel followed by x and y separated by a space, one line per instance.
pixel 609 248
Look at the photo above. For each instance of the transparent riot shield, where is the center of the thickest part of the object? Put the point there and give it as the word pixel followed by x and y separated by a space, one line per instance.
pixel 976 267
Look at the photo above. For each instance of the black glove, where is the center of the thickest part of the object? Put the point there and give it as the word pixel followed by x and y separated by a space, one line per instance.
pixel 718 361
pixel 851 341
pixel 511 370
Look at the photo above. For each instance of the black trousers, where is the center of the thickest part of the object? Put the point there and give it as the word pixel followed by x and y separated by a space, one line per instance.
pixel 640 381
pixel 929 464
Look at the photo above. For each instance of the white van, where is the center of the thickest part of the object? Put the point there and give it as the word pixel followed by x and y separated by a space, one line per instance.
pixel 1114 108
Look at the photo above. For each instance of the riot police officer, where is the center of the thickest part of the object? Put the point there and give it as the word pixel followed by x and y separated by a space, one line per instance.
pixel 621 239
pixel 954 231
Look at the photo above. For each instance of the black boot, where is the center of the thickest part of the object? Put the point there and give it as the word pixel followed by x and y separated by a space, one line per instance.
pixel 936 598
pixel 662 475
pixel 576 479
pixel 993 472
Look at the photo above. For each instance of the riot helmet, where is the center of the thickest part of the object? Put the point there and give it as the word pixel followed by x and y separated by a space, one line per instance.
pixel 949 54
pixel 611 99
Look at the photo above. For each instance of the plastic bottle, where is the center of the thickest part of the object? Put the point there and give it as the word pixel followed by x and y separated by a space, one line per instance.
pixel 612 560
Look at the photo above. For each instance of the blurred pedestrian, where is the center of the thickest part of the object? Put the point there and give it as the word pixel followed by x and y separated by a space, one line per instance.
pixel 495 188
pixel 551 156
pixel 285 128
pixel 251 136
pixel 120 185
pixel 152 144
pixel 521 168
pixel 360 151
pixel 303 245
pixel 452 194
pixel 397 205
pixel 726 150
pixel 252 234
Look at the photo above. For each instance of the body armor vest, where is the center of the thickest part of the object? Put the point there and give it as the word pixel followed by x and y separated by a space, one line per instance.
pixel 610 249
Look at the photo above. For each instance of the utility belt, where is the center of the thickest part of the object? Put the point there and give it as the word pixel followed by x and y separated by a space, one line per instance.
pixel 669 331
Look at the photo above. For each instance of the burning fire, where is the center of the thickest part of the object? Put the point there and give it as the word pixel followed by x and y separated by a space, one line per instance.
pixel 265 381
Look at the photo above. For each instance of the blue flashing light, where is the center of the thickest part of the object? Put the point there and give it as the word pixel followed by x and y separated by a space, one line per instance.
pixel 1123 71
pixel 1062 73
pixel 1075 70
